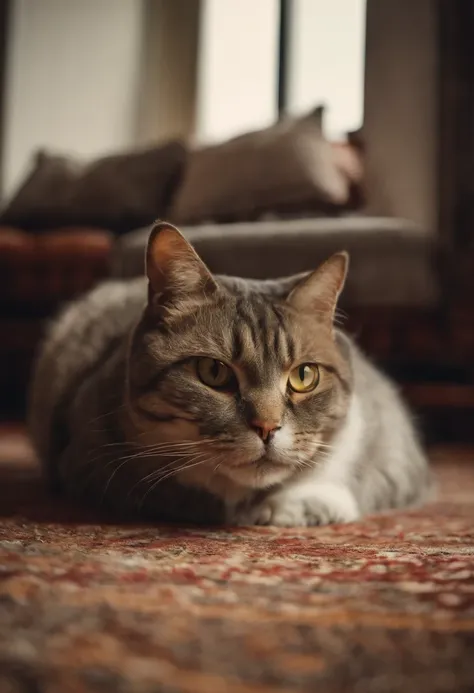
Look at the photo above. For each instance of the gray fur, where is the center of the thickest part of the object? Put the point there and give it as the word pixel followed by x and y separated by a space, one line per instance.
pixel 118 417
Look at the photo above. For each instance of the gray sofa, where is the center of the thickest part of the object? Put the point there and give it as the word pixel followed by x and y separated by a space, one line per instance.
pixel 392 260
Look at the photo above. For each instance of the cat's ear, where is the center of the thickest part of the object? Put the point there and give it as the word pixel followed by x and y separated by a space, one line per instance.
pixel 173 267
pixel 320 290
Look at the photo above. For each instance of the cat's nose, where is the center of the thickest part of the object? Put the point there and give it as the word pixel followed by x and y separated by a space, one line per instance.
pixel 265 429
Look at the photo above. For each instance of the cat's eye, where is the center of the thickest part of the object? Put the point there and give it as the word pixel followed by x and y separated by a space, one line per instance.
pixel 215 373
pixel 304 378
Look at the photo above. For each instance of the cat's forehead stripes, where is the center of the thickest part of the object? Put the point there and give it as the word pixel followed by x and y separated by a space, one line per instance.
pixel 254 333
pixel 261 340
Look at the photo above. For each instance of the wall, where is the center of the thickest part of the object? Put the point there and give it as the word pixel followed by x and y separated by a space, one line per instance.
pixel 401 110
pixel 167 100
pixel 72 78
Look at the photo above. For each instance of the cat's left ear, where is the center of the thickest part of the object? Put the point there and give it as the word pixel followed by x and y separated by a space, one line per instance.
pixel 173 267
pixel 320 290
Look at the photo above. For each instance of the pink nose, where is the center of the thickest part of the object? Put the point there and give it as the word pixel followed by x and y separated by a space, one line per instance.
pixel 265 429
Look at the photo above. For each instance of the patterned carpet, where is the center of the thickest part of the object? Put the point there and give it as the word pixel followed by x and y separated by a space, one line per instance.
pixel 381 606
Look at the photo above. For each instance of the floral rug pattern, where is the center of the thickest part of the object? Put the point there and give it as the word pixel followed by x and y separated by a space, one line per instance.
pixel 379 606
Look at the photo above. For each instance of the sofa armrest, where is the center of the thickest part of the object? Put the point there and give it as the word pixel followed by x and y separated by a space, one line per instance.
pixel 37 271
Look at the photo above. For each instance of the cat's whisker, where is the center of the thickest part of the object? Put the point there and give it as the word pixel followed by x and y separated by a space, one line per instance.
pixel 340 312
pixel 106 414
pixel 181 450
pixel 121 443
pixel 119 466
pixel 120 461
pixel 160 450
pixel 219 464
pixel 162 470
pixel 158 446
pixel 166 476
pixel 211 461
pixel 110 480
pixel 304 464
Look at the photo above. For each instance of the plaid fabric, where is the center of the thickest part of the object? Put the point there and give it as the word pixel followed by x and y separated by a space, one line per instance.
pixel 42 271
pixel 37 275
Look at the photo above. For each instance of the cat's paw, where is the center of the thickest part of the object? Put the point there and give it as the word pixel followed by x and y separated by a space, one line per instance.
pixel 295 508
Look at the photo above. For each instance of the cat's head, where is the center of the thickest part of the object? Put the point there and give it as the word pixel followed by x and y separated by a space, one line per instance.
pixel 227 381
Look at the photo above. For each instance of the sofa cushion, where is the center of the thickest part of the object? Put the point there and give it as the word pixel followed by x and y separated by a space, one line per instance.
pixel 392 260
pixel 118 192
pixel 287 167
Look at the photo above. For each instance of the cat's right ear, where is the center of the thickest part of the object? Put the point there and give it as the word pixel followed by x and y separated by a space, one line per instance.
pixel 174 269
pixel 320 290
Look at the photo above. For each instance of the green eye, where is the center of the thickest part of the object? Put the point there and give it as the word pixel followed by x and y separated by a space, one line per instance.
pixel 304 378
pixel 214 373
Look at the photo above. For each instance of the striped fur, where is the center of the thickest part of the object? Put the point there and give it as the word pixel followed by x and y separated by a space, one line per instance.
pixel 120 418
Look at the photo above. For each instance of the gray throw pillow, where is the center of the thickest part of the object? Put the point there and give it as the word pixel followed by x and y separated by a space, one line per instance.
pixel 120 192
pixel 287 167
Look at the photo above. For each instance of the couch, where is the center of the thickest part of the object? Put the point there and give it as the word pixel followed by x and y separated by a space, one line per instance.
pixel 298 200
pixel 38 273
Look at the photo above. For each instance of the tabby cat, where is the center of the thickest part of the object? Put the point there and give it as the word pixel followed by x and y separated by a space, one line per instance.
pixel 196 398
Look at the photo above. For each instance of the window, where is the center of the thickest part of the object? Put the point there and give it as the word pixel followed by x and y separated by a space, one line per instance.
pixel 326 46
pixel 237 67
pixel 243 51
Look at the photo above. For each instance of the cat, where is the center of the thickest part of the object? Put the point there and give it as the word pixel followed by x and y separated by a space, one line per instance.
pixel 192 398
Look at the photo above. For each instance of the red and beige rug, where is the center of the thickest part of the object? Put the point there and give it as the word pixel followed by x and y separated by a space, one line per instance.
pixel 380 606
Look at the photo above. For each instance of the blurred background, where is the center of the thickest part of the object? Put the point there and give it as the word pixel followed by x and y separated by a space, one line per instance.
pixel 90 78
pixel 274 132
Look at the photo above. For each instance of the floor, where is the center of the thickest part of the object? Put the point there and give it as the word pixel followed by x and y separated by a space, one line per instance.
pixel 380 606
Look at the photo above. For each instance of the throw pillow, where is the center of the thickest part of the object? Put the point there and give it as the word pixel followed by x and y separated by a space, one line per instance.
pixel 289 166
pixel 119 192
